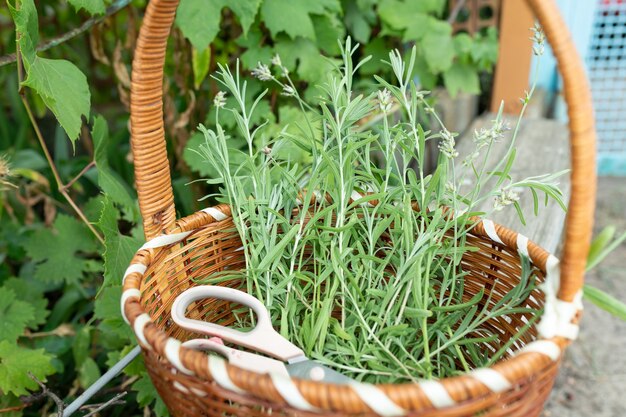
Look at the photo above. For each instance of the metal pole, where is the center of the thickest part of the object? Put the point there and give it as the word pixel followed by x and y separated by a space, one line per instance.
pixel 101 382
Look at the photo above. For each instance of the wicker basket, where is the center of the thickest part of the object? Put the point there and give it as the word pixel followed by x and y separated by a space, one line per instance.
pixel 178 251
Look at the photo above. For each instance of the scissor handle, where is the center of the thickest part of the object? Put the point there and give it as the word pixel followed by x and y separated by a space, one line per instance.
pixel 245 360
pixel 262 338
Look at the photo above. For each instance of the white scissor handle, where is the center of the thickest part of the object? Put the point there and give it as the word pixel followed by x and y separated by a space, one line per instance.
pixel 239 358
pixel 262 338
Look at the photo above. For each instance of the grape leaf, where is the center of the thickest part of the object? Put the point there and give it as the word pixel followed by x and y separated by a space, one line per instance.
pixel 63 89
pixel 198 163
pixel 418 29
pixel 463 43
pixel 328 29
pixel 33 295
pixel 412 17
pixel 485 49
pixel 427 79
pixel 262 112
pixel 91 6
pixel 379 52
pixel 60 84
pixel 107 309
pixel 16 362
pixel 119 249
pixel 291 120
pixel 304 52
pixel 359 21
pixel 461 77
pixel 437 46
pixel 255 51
pixel 27 27
pixel 93 207
pixel 147 394
pixel 59 251
pixel 108 179
pixel 399 14
pixel 246 11
pixel 293 16
pixel 14 315
pixel 135 368
pixel 199 20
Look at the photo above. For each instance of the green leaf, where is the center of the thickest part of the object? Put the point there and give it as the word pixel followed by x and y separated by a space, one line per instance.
pixel 135 368
pixel 16 362
pixel 32 294
pixel 199 20
pixel 200 61
pixel 256 51
pixel 311 66
pixel 119 249
pixel 418 29
pixel 27 27
pixel 29 159
pixel 437 46
pixel 291 120
pixel 107 309
pixel 108 180
pixel 357 21
pixel 397 13
pixel 59 251
pixel 293 16
pixel 602 246
pixel 463 43
pixel 196 161
pixel 80 347
pixel 605 301
pixel 485 49
pixel 427 79
pixel 328 29
pixel 14 315
pixel 599 243
pixel 461 77
pixel 147 395
pixel 410 15
pixel 64 90
pixel 10 401
pixel 88 373
pixel 245 10
pixel 379 51
pixel 91 6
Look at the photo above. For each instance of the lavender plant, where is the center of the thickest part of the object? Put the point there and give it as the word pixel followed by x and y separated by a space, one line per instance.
pixel 360 263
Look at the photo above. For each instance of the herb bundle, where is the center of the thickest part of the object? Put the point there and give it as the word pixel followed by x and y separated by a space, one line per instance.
pixel 357 255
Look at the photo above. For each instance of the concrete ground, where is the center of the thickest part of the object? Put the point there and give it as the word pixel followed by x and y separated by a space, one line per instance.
pixel 592 381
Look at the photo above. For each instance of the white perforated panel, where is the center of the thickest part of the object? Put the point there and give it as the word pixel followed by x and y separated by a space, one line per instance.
pixel 606 61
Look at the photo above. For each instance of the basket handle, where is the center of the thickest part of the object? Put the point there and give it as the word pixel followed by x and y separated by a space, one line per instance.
pixel 152 172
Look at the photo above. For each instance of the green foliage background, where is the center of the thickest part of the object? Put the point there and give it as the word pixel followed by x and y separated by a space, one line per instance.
pixel 60 280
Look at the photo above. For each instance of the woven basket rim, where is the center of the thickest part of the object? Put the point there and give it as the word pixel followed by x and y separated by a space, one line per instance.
pixel 517 369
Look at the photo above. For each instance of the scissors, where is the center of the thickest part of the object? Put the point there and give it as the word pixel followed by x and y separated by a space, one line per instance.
pixel 289 360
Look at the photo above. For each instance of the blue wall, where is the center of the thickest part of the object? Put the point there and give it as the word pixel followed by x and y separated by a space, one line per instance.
pixel 578 15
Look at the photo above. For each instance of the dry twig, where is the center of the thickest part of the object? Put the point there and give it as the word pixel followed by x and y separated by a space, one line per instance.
pixel 45 391
pixel 116 400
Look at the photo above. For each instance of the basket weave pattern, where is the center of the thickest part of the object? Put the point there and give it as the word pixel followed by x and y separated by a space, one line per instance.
pixel 212 246
pixel 181 251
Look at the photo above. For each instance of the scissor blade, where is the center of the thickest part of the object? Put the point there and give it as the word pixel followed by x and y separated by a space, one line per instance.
pixel 315 371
